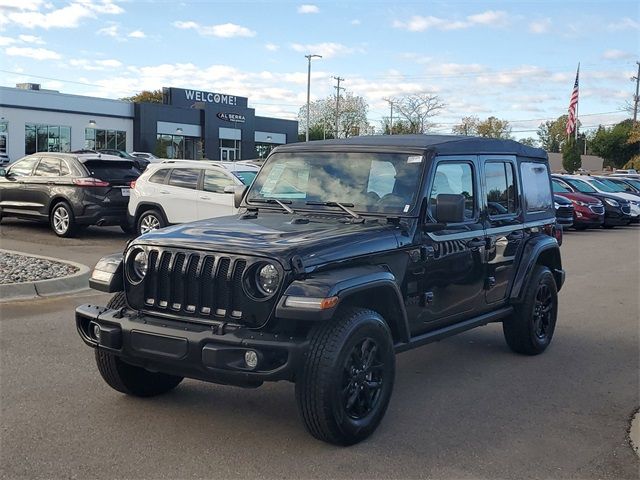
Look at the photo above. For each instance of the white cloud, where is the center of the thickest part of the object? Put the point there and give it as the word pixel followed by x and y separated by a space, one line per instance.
pixel 224 30
pixel 355 21
pixel 34 14
pixel 418 23
pixel 308 9
pixel 4 41
pixel 31 39
pixel 616 54
pixel 94 65
pixel 137 34
pixel 272 47
pixel 624 24
pixel 326 49
pixel 33 53
pixel 540 26
pixel 109 63
pixel 110 31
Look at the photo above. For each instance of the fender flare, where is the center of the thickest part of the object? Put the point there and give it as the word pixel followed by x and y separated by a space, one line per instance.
pixel 144 206
pixel 343 283
pixel 534 249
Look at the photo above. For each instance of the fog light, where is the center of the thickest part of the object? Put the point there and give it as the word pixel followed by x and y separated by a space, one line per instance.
pixel 251 359
pixel 96 332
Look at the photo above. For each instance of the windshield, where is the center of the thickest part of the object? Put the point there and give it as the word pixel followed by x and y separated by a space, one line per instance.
pixel 368 182
pixel 245 176
pixel 634 183
pixel 559 188
pixel 597 184
pixel 612 185
pixel 581 186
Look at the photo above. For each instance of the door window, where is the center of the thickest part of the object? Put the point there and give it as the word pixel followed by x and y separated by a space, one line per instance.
pixel 501 195
pixel 160 176
pixel 48 167
pixel 456 178
pixel 184 178
pixel 215 181
pixel 23 168
pixel 536 185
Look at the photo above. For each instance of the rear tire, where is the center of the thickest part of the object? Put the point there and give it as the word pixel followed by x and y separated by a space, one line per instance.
pixel 62 220
pixel 346 382
pixel 530 329
pixel 126 228
pixel 150 220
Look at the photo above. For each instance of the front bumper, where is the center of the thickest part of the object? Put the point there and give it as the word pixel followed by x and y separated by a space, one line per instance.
pixel 204 352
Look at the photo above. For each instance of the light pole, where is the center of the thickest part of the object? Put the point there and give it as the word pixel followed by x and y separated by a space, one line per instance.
pixel 309 57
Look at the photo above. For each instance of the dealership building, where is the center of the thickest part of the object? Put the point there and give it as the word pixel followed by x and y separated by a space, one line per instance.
pixel 189 124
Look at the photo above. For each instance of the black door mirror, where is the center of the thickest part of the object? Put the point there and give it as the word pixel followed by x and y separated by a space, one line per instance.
pixel 450 208
pixel 238 195
pixel 3 172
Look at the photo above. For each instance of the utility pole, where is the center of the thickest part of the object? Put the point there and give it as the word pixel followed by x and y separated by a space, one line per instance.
pixel 338 88
pixel 309 57
pixel 635 98
pixel 390 100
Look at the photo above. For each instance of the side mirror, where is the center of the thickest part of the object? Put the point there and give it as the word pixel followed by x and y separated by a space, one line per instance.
pixel 450 208
pixel 230 189
pixel 238 195
pixel 3 172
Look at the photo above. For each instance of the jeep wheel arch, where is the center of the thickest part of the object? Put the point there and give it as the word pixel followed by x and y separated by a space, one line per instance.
pixel 540 250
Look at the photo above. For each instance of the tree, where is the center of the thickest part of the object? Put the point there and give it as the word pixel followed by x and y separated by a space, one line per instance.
pixel 553 133
pixel 145 96
pixel 400 127
pixel 493 127
pixel 322 117
pixel 612 144
pixel 417 109
pixel 571 160
pixel 634 138
pixel 468 126
pixel 530 141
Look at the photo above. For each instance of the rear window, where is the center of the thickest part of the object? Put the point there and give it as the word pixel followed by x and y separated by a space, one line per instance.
pixel 536 185
pixel 160 176
pixel 112 169
pixel 246 176
pixel 184 178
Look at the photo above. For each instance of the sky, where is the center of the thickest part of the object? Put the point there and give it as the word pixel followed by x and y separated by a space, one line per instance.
pixel 515 60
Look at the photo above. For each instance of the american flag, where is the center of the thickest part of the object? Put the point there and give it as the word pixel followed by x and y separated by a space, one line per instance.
pixel 573 106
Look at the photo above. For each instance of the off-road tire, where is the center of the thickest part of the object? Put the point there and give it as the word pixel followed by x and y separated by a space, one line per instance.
pixel 127 378
pixel 145 216
pixel 320 383
pixel 60 211
pixel 524 331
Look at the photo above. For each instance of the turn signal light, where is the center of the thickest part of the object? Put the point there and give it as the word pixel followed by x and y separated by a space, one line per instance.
pixel 90 182
pixel 133 184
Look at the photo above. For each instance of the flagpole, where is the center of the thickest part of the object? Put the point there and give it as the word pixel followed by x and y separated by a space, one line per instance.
pixel 577 104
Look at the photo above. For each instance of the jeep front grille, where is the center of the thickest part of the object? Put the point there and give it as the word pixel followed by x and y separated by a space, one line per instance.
pixel 197 286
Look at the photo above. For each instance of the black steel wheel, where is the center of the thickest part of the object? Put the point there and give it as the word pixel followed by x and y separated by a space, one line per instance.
pixel 530 329
pixel 346 382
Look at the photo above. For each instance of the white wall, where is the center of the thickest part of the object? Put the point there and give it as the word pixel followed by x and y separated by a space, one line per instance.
pixel 18 117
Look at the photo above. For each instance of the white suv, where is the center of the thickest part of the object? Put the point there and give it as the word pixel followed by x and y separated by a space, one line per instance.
pixel 180 191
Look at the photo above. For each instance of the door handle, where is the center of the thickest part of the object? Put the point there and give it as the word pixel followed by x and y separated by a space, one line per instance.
pixel 477 243
pixel 164 192
pixel 205 198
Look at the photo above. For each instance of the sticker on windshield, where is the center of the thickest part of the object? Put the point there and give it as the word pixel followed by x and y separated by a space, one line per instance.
pixel 406 208
pixel 414 159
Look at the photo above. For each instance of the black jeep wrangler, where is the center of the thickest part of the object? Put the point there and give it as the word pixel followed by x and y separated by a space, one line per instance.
pixel 344 253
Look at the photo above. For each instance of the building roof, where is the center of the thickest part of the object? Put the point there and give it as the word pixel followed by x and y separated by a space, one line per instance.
pixel 436 144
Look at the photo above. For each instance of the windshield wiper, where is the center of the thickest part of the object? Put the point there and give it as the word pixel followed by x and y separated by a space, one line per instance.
pixel 285 207
pixel 343 206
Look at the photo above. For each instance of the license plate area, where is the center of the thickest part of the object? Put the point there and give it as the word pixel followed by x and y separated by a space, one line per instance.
pixel 159 345
pixel 126 192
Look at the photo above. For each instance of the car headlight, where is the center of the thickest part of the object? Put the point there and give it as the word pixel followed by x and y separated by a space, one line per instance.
pixel 137 265
pixel 634 202
pixel 557 205
pixel 579 203
pixel 267 279
pixel 611 202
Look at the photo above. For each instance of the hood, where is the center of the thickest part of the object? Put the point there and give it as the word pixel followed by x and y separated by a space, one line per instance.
pixel 560 200
pixel 280 236
pixel 580 197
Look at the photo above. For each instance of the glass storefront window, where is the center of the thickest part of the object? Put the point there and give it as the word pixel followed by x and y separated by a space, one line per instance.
pixel 121 141
pixel 178 146
pixel 3 137
pixel 97 139
pixel 46 138
pixel 229 150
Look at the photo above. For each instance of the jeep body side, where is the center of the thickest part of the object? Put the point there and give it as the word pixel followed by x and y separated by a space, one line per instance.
pixel 311 285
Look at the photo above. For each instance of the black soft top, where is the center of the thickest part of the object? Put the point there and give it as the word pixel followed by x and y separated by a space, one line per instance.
pixel 434 144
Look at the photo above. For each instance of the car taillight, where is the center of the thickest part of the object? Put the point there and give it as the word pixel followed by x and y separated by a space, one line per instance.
pixel 90 182
pixel 132 184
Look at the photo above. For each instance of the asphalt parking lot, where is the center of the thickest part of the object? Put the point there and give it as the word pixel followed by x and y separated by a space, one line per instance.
pixel 462 408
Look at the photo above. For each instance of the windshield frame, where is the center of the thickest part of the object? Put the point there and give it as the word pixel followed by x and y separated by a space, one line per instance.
pixel 413 211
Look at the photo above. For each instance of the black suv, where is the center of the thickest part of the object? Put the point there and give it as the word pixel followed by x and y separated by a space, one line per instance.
pixel 344 253
pixel 68 190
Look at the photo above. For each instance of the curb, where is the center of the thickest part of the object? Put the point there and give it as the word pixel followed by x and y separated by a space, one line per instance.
pixel 43 288
pixel 634 433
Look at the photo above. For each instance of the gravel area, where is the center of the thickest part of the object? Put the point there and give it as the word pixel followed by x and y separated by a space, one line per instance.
pixel 22 268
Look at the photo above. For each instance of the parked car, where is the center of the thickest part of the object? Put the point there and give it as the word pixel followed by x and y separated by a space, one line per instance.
pixel 140 163
pixel 346 252
pixel 588 212
pixel 70 191
pixel 147 156
pixel 617 211
pixel 244 170
pixel 622 185
pixel 180 191
pixel 564 211
pixel 634 201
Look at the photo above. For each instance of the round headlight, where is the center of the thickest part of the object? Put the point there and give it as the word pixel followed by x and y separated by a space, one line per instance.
pixel 138 266
pixel 268 279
